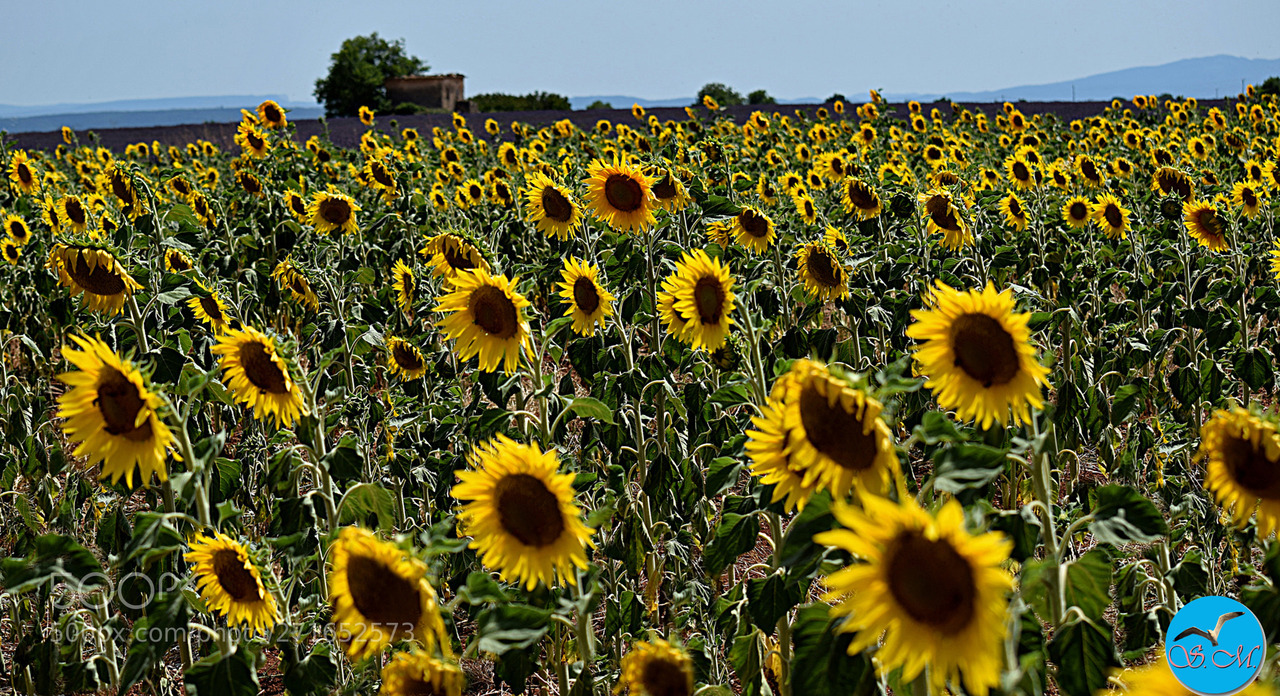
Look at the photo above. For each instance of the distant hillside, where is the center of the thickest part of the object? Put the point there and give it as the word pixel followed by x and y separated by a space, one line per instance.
pixel 139 119
pixel 625 102
pixel 1203 78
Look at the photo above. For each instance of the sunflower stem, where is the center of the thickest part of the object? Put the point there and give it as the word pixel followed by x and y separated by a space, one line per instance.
pixel 135 321
pixel 1042 480
pixel 585 638
pixel 784 621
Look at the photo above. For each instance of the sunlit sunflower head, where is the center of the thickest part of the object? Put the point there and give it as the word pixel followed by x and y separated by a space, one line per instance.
pixel 259 375
pixel 620 195
pixel 838 439
pixel 753 230
pixel 552 207
pixel 296 205
pixel 1111 217
pixel 292 280
pixel 22 173
pixel 1091 175
pixel 330 211
pixel 771 448
pixel 73 215
pixel 485 315
pixel 1241 452
pixel 1022 174
pixel 416 673
pixel 935 592
pixel 657 668
pixel 366 115
pixel 860 199
pixel 16 229
pixel 11 251
pixel 701 292
pixel 404 359
pixel 1076 212
pixel 380 595
pixel 94 274
pixel 271 115
pixel 252 140
pixel 586 300
pixel 1247 196
pixel 451 253
pixel 806 208
pixel 1157 679
pixel 230 583
pixel 175 261
pixel 210 309
pixel 944 218
pixel 1014 211
pixel 405 284
pixel 977 354
pixel 1205 224
pixel 520 513
pixel 824 276
pixel 1167 180
pixel 112 415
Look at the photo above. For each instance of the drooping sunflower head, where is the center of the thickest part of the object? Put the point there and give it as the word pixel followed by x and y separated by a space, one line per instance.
pixel 294 281
pixel 406 287
pixel 1111 217
pixel 112 415
pixel 754 230
pixel 657 668
pixel 944 218
pixel 860 199
pixel 73 215
pixel 485 316
pixel 259 375
pixel 94 274
pixel 380 595
pixel 620 195
pixel 935 592
pixel 1167 180
pixel 1090 174
pixel 823 274
pixel 331 211
pixel 230 583
pixel 700 300
pixel 1241 451
pixel 404 359
pixel 175 261
pixel 296 205
pixel 210 309
pixel 452 253
pixel 1076 211
pixel 552 207
pixel 520 514
pixel 1205 224
pixel 669 191
pixel 587 301
pixel 976 352
pixel 416 673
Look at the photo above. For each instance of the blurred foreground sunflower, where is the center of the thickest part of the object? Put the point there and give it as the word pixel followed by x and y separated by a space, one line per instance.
pixel 657 668
pixel 1241 452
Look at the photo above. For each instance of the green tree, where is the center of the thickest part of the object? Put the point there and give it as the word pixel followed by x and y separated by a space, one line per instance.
pixel 357 73
pixel 534 101
pixel 1271 85
pixel 598 104
pixel 722 93
pixel 760 97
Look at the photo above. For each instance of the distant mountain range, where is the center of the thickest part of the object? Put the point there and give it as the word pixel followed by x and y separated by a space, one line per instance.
pixel 1214 76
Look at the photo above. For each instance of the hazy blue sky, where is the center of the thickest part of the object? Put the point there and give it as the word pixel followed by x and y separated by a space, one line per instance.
pixel 97 50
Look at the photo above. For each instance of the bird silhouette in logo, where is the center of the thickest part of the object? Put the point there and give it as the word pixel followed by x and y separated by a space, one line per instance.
pixel 1217 630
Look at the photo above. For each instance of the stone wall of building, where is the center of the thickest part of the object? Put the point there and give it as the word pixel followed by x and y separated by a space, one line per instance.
pixel 432 91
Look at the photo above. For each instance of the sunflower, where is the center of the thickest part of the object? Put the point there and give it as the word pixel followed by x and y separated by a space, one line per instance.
pixel 251 140
pixel 588 303
pixel 620 195
pixel 366 115
pixel 177 262
pixel 271 115
pixel 520 513
pixel 293 280
pixel 771 449
pixel 209 309
pixel 450 253
pixel 552 207
pixel 380 595
pixel 1089 172
pixel 204 212
pixel 23 174
pixel 1205 224
pixel 805 207
pixel 416 673
pixel 296 205
pixel 1014 211
pixel 404 359
pixel 11 250
pixel 330 211
pixel 1022 174
pixel 17 230
pixel 94 274
pixel 935 592
pixel 1076 211
pixel 112 415
pixel 1111 217
pixel 669 192
pixel 821 271
pixel 1242 455
pixel 1167 180
pixel 485 315
pixel 753 229
pixel 945 219
pixel 1157 679
pixel 860 199
pixel 701 296
pixel 977 354
pixel 73 216
pixel 657 668
pixel 49 215
pixel 259 375
pixel 1248 197
pixel 230 584
pixel 406 287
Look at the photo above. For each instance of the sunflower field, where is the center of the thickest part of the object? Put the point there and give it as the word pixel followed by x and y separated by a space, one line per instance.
pixel 861 399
